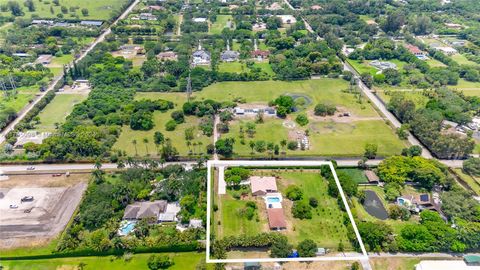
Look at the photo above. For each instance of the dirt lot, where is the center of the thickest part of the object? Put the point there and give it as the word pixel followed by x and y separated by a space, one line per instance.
pixel 38 221
pixel 338 265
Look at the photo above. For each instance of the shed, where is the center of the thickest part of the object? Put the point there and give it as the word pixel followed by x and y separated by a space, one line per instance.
pixel 372 177
pixel 276 219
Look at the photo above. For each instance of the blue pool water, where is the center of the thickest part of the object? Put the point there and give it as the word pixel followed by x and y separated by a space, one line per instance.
pixel 273 199
pixel 128 227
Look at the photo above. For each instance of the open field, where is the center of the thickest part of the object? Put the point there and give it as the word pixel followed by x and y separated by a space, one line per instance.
pixel 239 67
pixel 462 60
pixel 415 95
pixel 177 136
pixel 394 263
pixel 219 24
pixel 97 10
pixel 356 174
pixel 187 261
pixel 57 110
pixel 362 67
pixel 55 200
pixel 472 181
pixel 233 224
pixel 327 138
pixel 326 226
pixel 23 97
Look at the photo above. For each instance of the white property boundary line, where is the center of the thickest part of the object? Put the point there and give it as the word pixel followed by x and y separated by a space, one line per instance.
pixel 279 163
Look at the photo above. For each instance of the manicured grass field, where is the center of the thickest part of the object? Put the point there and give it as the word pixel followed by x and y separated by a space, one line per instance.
pixel 472 181
pixel 98 10
pixel 326 226
pixel 232 67
pixel 21 99
pixel 462 60
pixel 362 67
pixel 177 137
pixel 57 110
pixel 187 260
pixel 232 223
pixel 356 174
pixel 435 63
pixel 466 86
pixel 220 23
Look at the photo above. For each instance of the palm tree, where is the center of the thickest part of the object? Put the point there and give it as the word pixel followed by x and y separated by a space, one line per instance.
pixel 145 141
pixel 134 142
pixel 283 143
pixel 252 145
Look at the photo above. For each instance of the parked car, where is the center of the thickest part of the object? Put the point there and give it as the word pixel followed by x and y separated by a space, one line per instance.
pixel 56 174
pixel 31 168
pixel 13 206
pixel 27 199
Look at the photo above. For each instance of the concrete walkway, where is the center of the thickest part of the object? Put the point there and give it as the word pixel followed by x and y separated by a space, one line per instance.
pixel 222 185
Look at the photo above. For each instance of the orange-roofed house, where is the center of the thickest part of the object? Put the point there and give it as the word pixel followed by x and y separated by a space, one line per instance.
pixel 276 219
pixel 262 185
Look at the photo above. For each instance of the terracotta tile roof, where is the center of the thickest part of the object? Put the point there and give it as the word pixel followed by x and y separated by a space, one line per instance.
pixel 276 218
pixel 263 184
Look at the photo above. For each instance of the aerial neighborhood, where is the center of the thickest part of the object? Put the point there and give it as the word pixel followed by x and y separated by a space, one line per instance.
pixel 240 134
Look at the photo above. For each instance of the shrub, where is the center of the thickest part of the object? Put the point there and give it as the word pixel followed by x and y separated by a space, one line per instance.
pixel 302 119
pixel 159 262
pixel 313 202
pixel 178 116
pixel 171 125
pixel 307 248
pixel 301 210
pixel 292 145
pixel 324 109
pixel 293 193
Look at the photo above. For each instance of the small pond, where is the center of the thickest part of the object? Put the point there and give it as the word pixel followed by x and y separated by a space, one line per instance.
pixel 374 206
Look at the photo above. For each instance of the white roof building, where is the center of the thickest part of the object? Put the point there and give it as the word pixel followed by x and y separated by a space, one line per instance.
pixel 445 265
pixel 199 20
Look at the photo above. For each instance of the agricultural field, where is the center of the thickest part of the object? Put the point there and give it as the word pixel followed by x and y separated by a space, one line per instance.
pixel 462 60
pixel 97 10
pixel 57 110
pixel 187 260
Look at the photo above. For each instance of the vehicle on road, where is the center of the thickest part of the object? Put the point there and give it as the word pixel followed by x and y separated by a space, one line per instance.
pixel 13 206
pixel 31 168
pixel 27 199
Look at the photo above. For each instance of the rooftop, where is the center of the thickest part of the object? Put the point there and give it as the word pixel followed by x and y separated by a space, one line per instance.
pixel 276 218
pixel 265 183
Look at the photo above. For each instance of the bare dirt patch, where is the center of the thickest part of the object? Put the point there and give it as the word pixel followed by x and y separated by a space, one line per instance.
pixel 38 221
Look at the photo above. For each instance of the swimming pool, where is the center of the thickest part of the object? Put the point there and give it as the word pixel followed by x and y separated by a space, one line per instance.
pixel 126 227
pixel 273 200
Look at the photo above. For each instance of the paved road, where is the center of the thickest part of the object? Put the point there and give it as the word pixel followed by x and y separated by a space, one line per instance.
pixel 54 82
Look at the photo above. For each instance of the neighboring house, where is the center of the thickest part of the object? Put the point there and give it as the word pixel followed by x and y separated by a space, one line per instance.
pixel 200 57
pixel 260 186
pixel 372 177
pixel 31 136
pixel 416 51
pixel 254 110
pixel 91 23
pixel 260 54
pixel 199 20
pixel 446 50
pixel 156 8
pixel 164 56
pixel 287 19
pixel 276 219
pixel 42 22
pixel 417 203
pixel 21 54
pixel 316 7
pixel 229 56
pixel 157 211
pixel 382 65
pixel 147 17
pixel 259 26
pixel 453 25
pixel 44 59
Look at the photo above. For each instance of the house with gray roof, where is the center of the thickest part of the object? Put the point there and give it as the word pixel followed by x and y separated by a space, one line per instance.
pixel 158 211
pixel 201 57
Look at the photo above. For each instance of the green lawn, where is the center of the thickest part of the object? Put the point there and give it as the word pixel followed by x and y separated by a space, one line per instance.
pixel 177 136
pixel 232 67
pixel 362 66
pixel 356 174
pixel 232 223
pixel 220 23
pixel 435 63
pixel 17 102
pixel 466 86
pixel 417 96
pixel 462 60
pixel 326 226
pixel 326 138
pixel 187 260
pixel 98 10
pixel 472 181
pixel 57 110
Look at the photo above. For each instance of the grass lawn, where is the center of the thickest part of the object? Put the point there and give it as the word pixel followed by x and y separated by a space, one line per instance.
pixel 97 10
pixel 435 63
pixel 394 263
pixel 416 95
pixel 466 86
pixel 356 174
pixel 177 136
pixel 187 260
pixel 233 224
pixel 362 66
pixel 326 226
pixel 472 181
pixel 232 67
pixel 17 102
pixel 220 23
pixel 57 110
pixel 265 66
pixel 462 60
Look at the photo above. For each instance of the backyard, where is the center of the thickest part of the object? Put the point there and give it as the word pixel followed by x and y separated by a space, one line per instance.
pixel 326 227
pixel 220 23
